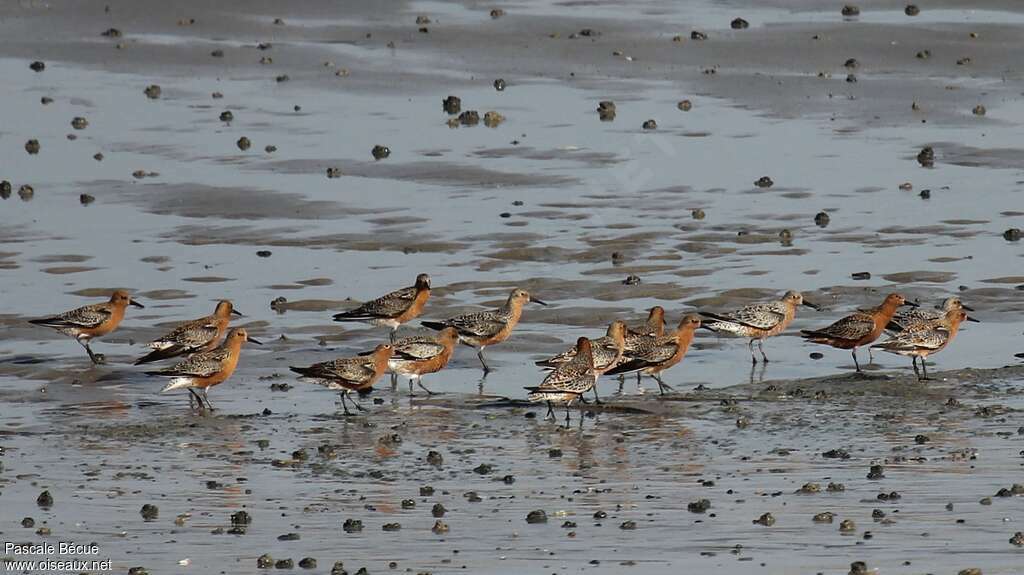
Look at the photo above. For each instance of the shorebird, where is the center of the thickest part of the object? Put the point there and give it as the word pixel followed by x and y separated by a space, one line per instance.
pixel 654 327
pixel 350 374
pixel 206 369
pixel 392 309
pixel 419 355
pixel 569 381
pixel 860 328
pixel 925 342
pixel 201 334
pixel 606 350
pixel 758 321
pixel 491 327
pixel 655 355
pixel 920 319
pixel 89 322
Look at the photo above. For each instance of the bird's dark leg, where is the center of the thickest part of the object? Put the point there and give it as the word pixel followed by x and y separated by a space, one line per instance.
pixel 550 413
pixel 924 370
pixel 662 386
pixel 394 381
pixel 393 331
pixel 411 392
pixel 855 359
pixel 193 399
pixel 567 415
pixel 344 404
pixel 480 355
pixel 96 358
pixel 597 399
pixel 871 356
pixel 914 363
pixel 419 382
pixel 208 404
pixel 760 347
pixel 750 346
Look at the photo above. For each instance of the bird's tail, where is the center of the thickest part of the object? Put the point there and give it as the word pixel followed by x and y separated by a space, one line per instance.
pixel 160 354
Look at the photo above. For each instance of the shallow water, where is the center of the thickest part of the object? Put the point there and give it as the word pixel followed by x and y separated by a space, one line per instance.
pixel 574 189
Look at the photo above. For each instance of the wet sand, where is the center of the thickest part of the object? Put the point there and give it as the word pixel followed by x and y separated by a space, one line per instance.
pixel 178 213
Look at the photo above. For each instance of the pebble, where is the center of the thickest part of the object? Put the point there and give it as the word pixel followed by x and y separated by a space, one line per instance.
pixel 79 123
pixel 28 523
pixel 876 472
pixel 226 116
pixel 438 510
pixel 452 105
pixel 851 63
pixel 698 35
pixel 979 110
pixel 5 189
pixel 391 527
pixel 98 157
pixel 241 518
pixel 847 526
pixel 352 526
pixel 537 516
pixel 380 152
pixel 307 563
pixel 816 355
pixel 469 118
pixel 650 125
pixel 1017 539
pixel 699 506
pixel 499 85
pixel 628 525
pixel 631 280
pixel 739 24
pixel 766 519
pixel 850 10
pixel 764 182
pixel 1012 235
pixel 492 119
pixel 440 527
pixel 32 146
pixel 497 13
pixel 284 564
pixel 45 500
pixel 37 66
pixel 152 91
pixel 823 517
pixel 26 192
pixel 821 219
pixel 926 157
pixel 698 214
pixel 861 275
pixel 243 143
pixel 684 105
pixel 264 561
pixel 149 512
pixel 333 172
pixel 912 10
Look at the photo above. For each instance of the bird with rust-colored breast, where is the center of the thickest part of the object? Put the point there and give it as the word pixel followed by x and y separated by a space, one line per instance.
pixel 420 355
pixel 486 328
pixel 568 382
pixel 606 350
pixel 392 309
pixel 348 374
pixel 860 328
pixel 92 321
pixel 758 321
pixel 205 369
pixel 921 319
pixel 201 334
pixel 921 343
pixel 654 356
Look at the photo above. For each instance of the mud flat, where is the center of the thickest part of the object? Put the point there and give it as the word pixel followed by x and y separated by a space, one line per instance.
pixel 194 151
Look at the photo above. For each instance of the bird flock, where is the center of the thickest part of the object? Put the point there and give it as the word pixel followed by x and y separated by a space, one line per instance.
pixel 210 357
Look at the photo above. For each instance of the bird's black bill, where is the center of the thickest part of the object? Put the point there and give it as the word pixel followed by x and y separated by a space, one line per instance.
pixel 969 318
pixel 535 300
pixel 238 313
pixel 911 304
pixel 251 340
pixel 136 304
pixel 813 306
pixel 967 308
